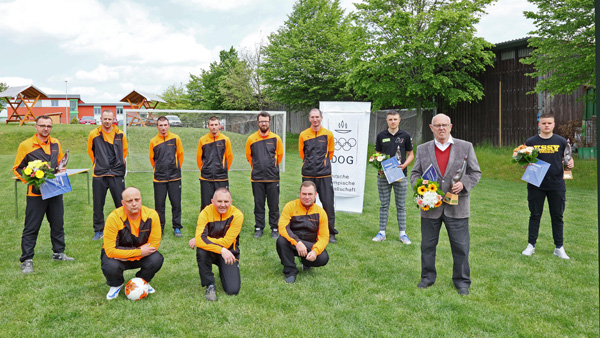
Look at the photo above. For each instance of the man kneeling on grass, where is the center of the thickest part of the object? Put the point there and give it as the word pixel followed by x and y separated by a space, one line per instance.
pixel 304 232
pixel 131 239
pixel 216 242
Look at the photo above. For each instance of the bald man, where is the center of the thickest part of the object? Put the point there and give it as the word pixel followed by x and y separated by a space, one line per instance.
pixel 131 239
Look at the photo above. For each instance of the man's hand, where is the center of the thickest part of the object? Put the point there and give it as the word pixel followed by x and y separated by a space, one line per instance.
pixel 311 256
pixel 147 250
pixel 192 243
pixel 228 257
pixel 570 164
pixel 457 187
pixel 301 248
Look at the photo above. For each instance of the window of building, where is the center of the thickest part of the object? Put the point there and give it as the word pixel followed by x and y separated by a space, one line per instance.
pixel 73 105
pixel 525 52
pixel 507 55
pixel 54 103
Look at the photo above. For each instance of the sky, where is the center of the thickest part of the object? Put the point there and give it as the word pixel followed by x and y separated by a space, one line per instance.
pixel 104 49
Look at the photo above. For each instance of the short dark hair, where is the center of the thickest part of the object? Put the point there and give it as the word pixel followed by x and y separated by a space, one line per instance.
pixel 263 114
pixel 308 184
pixel 42 117
pixel 163 118
pixel 546 116
pixel 214 118
pixel 392 112
pixel 107 111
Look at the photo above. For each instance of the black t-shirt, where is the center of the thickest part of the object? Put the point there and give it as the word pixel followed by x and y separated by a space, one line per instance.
pixel 551 150
pixel 387 143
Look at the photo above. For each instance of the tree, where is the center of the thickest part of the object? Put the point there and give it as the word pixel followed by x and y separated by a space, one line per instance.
pixel 410 51
pixel 176 97
pixel 204 90
pixel 564 45
pixel 3 87
pixel 236 90
pixel 306 59
pixel 254 60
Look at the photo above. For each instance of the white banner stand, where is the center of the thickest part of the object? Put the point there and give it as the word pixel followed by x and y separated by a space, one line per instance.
pixel 349 123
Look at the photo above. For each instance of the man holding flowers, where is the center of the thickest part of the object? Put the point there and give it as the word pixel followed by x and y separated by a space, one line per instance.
pixel 388 142
pixel 37 157
pixel 446 155
pixel 550 149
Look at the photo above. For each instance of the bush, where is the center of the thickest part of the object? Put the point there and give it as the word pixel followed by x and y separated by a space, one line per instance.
pixel 74 121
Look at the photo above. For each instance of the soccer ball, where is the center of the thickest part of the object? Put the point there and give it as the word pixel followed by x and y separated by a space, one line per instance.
pixel 136 289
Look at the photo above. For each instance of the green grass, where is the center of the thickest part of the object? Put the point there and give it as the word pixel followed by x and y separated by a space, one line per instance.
pixel 367 289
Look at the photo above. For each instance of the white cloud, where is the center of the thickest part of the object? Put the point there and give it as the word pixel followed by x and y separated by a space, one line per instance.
pixel 125 31
pixel 102 73
pixel 505 21
pixel 220 5
pixel 16 81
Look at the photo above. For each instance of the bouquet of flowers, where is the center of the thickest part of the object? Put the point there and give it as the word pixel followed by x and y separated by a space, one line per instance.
pixel 524 155
pixel 428 194
pixel 376 159
pixel 37 172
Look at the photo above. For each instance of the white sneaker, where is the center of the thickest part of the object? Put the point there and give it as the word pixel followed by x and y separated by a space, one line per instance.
pixel 379 237
pixel 560 253
pixel 529 250
pixel 404 239
pixel 114 292
pixel 150 289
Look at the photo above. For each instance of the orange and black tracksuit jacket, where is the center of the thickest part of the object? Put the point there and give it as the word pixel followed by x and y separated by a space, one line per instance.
pixel 33 149
pixel 166 157
pixel 264 153
pixel 299 223
pixel 123 237
pixel 214 157
pixel 215 231
pixel 316 150
pixel 107 152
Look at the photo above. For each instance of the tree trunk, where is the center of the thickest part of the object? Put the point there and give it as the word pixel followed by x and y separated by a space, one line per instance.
pixel 418 136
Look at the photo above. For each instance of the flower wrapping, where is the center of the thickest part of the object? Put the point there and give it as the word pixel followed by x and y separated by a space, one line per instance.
pixel 524 155
pixel 37 172
pixel 428 194
pixel 376 159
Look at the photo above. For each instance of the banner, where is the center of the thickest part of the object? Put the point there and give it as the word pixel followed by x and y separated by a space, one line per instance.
pixel 349 123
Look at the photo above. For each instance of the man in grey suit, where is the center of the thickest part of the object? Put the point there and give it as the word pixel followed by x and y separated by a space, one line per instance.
pixel 447 154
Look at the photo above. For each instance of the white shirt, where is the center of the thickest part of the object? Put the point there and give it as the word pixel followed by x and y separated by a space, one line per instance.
pixel 444 146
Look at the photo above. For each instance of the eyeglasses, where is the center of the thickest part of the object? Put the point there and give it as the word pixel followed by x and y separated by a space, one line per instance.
pixel 445 125
pixel 264 122
pixel 43 126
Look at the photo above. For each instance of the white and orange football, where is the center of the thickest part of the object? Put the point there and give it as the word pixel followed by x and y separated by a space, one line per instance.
pixel 136 289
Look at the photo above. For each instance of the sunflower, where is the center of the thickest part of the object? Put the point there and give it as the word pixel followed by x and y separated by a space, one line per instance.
pixel 432 187
pixel 425 207
pixel 421 190
pixel 437 204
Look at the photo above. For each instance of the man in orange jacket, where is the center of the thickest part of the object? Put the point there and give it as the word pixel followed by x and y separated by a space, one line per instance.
pixel 107 148
pixel 45 148
pixel 304 232
pixel 217 242
pixel 131 240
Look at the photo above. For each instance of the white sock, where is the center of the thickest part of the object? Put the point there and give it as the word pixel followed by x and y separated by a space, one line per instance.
pixel 382 232
pixel 402 233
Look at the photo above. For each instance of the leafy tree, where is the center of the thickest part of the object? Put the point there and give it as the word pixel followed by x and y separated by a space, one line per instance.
pixel 3 87
pixel 204 90
pixel 176 97
pixel 254 59
pixel 236 90
pixel 564 45
pixel 306 60
pixel 409 51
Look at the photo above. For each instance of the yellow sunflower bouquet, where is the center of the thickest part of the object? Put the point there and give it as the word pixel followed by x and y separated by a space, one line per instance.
pixel 428 194
pixel 37 172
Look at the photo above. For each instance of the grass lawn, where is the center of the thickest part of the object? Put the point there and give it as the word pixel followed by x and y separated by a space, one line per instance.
pixel 368 289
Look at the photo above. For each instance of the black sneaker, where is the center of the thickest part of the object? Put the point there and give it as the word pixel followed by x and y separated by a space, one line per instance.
pixel 274 233
pixel 211 293
pixel 332 239
pixel 306 267
pixel 290 279
pixel 258 232
pixel 177 232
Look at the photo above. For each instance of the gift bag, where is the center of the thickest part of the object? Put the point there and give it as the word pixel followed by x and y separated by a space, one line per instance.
pixel 536 172
pixel 56 186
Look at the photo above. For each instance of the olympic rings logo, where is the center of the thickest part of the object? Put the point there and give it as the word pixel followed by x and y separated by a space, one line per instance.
pixel 343 144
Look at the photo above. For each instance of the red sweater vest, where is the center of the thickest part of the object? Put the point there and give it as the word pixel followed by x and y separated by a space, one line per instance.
pixel 442 158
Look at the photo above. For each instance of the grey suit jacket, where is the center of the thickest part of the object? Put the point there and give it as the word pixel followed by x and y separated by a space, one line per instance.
pixel 460 148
